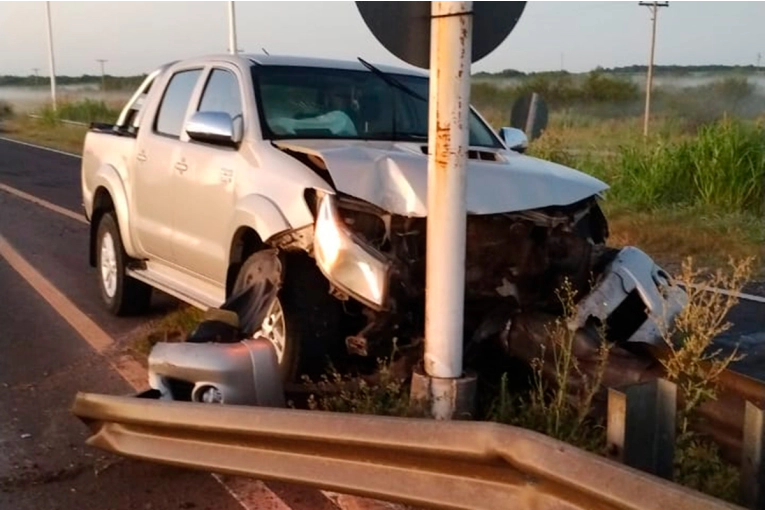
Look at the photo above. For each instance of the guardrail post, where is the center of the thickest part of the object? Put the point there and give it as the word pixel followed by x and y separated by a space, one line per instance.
pixel 641 426
pixel 753 458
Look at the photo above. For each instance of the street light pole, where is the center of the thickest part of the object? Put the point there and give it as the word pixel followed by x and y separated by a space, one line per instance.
pixel 232 48
pixel 654 6
pixel 450 60
pixel 50 57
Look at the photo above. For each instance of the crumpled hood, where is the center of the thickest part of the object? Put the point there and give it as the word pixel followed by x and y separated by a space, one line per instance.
pixel 395 177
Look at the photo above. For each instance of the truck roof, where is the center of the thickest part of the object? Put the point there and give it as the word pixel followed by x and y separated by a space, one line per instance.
pixel 305 61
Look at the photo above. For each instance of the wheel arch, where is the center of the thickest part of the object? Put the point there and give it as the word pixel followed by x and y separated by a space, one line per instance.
pixel 110 195
pixel 256 220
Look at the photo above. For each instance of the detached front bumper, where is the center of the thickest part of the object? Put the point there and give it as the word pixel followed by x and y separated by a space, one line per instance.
pixel 239 373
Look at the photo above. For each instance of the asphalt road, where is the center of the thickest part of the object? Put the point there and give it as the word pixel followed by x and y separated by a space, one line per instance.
pixel 44 462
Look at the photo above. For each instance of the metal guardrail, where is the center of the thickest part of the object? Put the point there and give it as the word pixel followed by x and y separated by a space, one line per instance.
pixel 426 463
pixel 63 121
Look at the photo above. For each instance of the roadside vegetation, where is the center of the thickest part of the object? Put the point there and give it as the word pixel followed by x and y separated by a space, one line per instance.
pixel 85 111
pixel 564 396
pixel 173 327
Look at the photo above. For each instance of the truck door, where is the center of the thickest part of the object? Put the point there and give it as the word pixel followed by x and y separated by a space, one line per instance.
pixel 208 187
pixel 157 163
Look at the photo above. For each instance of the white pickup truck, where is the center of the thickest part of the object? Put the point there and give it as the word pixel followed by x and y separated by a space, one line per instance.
pixel 227 170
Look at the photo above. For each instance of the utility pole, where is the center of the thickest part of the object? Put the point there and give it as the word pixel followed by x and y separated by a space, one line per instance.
pixel 50 57
pixel 37 74
pixel 232 48
pixel 103 75
pixel 654 7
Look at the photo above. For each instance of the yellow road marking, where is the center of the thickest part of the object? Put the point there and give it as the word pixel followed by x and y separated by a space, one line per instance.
pixel 84 325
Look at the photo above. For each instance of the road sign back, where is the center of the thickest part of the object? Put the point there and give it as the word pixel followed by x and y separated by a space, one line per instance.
pixel 404 27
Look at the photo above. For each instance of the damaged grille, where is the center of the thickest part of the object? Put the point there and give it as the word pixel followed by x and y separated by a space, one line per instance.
pixel 520 256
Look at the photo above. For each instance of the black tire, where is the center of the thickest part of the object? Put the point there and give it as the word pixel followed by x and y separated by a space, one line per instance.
pixel 311 315
pixel 130 296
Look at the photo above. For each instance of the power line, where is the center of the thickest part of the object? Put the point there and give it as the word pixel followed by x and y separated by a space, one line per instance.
pixel 654 7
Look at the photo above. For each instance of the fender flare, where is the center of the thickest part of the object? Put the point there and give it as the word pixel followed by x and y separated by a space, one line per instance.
pixel 260 214
pixel 108 179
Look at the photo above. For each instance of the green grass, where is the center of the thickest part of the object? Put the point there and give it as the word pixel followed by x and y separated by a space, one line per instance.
pixel 84 110
pixel 63 137
pixel 721 169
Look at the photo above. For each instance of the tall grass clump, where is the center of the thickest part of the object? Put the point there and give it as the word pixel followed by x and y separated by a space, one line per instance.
pixel 691 361
pixel 560 406
pixel 722 169
pixel 85 110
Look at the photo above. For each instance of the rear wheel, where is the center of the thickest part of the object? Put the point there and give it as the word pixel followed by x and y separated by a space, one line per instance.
pixel 121 294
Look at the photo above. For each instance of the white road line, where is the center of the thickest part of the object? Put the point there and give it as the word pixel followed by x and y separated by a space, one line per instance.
pixel 41 147
pixel 44 203
pixel 250 495
pixel 739 295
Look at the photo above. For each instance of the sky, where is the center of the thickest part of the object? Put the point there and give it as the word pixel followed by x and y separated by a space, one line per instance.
pixel 135 37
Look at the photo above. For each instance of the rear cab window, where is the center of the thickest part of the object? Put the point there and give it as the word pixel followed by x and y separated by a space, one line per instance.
pixel 175 102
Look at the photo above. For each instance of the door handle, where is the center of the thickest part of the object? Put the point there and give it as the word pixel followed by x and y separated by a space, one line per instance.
pixel 141 157
pixel 181 167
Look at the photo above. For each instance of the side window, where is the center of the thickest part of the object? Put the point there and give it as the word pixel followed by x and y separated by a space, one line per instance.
pixel 172 110
pixel 221 94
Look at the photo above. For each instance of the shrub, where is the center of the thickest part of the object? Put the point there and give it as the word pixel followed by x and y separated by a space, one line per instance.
pixel 599 87
pixel 721 169
pixel 558 409
pixel 86 110
pixel 691 362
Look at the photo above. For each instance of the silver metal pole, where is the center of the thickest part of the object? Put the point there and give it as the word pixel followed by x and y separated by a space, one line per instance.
pixel 450 59
pixel 649 85
pixel 232 48
pixel 50 57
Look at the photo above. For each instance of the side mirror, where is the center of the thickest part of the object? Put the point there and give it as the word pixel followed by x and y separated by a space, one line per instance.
pixel 514 138
pixel 212 127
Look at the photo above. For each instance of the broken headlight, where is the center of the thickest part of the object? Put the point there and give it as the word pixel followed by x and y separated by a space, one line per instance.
pixel 348 262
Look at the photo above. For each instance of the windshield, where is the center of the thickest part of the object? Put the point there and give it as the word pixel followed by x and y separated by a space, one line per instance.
pixel 311 102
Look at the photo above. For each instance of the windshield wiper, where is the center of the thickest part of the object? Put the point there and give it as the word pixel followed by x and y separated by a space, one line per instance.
pixel 390 80
pixel 397 135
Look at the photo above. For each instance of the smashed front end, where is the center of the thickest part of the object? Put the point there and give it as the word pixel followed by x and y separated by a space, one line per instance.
pixel 515 264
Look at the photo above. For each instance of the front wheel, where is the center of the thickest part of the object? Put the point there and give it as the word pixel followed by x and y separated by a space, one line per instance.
pixel 121 294
pixel 303 322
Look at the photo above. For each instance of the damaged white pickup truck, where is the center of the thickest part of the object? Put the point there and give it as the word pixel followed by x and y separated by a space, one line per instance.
pixel 292 191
